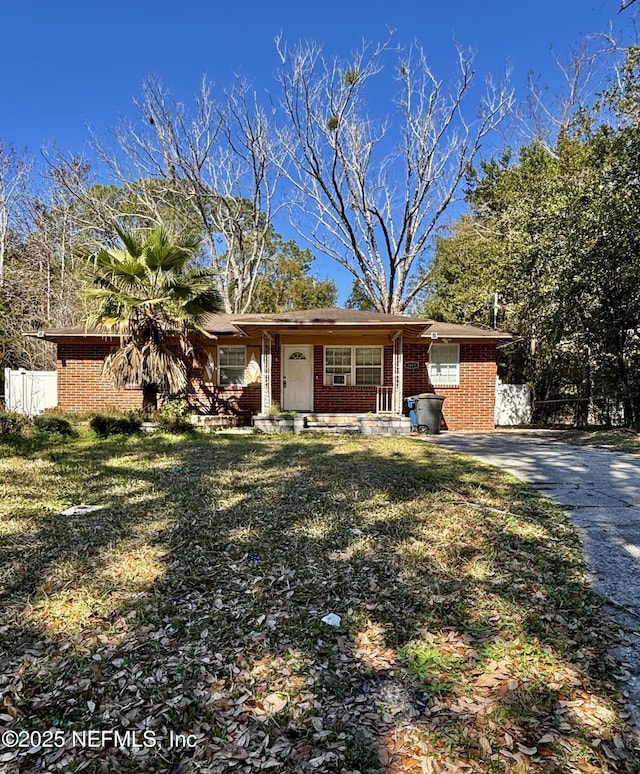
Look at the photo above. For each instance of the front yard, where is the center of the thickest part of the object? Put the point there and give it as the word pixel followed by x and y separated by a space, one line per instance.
pixel 626 441
pixel 182 621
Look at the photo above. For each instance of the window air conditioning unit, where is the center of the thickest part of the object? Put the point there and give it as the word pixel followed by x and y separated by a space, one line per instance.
pixel 434 335
pixel 340 379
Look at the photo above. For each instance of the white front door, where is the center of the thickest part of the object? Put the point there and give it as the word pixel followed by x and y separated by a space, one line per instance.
pixel 297 378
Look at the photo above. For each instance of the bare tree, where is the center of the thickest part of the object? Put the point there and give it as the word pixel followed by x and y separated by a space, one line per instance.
pixel 374 201
pixel 550 115
pixel 212 167
pixel 42 272
pixel 15 171
pixel 59 245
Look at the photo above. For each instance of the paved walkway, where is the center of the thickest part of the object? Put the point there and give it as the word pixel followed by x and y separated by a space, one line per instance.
pixel 600 492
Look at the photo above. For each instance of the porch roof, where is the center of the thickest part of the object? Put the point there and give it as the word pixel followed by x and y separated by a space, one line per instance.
pixel 322 318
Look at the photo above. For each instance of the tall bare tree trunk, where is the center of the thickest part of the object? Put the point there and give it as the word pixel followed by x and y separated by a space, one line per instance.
pixel 368 201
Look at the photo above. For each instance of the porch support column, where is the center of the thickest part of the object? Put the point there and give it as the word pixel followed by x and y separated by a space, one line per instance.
pixel 265 365
pixel 396 397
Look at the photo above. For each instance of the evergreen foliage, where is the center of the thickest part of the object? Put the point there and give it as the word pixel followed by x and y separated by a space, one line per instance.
pixel 558 236
pixel 104 425
pixel 52 424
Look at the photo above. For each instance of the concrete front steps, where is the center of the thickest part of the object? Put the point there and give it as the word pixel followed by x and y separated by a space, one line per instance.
pixel 355 424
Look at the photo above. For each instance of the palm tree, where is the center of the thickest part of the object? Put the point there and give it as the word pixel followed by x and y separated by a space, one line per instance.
pixel 147 293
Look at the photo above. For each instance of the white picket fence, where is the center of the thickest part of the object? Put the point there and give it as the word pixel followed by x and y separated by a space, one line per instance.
pixel 513 404
pixel 30 392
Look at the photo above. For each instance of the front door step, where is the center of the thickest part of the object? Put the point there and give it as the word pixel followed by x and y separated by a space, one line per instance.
pixel 355 424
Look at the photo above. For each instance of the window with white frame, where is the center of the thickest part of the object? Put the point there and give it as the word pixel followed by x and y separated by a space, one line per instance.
pixel 337 363
pixel 368 365
pixel 232 365
pixel 444 365
pixel 353 365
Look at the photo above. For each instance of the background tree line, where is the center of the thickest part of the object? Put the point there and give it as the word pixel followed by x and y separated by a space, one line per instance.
pixel 550 221
pixel 366 190
pixel 554 229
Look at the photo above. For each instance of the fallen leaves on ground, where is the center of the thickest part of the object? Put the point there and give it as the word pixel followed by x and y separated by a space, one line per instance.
pixel 189 610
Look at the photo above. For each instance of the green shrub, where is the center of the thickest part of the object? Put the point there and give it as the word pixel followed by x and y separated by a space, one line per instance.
pixel 173 416
pixel 104 425
pixel 11 422
pixel 50 423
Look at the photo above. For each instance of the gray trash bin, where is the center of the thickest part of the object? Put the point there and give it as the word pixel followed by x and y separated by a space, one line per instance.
pixel 428 410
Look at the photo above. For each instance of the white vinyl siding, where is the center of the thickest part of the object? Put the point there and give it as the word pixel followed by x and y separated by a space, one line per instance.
pixel 444 365
pixel 359 365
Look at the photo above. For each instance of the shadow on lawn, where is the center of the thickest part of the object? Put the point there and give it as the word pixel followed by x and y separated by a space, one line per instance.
pixel 468 634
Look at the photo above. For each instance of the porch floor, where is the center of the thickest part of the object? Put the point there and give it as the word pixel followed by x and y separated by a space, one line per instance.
pixel 357 424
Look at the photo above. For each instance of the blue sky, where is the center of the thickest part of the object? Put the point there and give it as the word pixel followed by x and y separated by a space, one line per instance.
pixel 70 64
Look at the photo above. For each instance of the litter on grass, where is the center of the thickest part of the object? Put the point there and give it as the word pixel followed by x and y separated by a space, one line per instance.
pixel 332 619
pixel 79 510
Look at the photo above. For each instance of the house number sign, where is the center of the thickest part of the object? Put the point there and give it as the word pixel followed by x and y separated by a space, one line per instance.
pixel 411 364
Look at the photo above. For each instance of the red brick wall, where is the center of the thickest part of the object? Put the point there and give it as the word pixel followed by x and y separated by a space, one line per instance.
pixel 357 399
pixel 414 380
pixel 236 401
pixel 276 376
pixel 208 398
pixel 470 406
pixel 81 385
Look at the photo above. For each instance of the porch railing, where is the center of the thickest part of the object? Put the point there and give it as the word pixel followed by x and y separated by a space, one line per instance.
pixel 384 400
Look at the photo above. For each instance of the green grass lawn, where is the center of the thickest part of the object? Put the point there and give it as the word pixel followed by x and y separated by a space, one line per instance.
pixel 192 603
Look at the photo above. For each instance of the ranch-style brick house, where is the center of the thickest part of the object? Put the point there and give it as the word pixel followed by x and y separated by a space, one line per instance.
pixel 316 362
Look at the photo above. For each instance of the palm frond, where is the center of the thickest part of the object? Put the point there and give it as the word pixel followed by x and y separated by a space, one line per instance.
pixel 149 364
pixel 165 369
pixel 133 245
pixel 108 323
pixel 146 292
pixel 124 366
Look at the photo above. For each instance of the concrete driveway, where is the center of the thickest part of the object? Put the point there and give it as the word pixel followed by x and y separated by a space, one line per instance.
pixel 600 492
